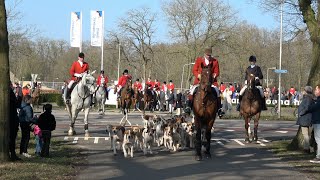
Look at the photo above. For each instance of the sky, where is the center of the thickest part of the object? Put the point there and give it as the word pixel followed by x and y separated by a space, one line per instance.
pixel 52 17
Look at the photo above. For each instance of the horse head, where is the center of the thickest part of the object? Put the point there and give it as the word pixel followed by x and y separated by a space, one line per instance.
pixel 88 80
pixel 251 82
pixel 206 77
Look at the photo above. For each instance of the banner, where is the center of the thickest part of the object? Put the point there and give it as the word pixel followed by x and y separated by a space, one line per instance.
pixel 75 29
pixel 97 28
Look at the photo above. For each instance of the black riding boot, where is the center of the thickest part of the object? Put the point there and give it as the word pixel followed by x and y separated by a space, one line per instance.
pixel 220 112
pixel 189 105
pixel 92 100
pixel 263 104
pixel 238 105
pixel 67 95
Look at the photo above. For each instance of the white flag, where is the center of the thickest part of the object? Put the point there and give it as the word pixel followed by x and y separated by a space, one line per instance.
pixel 75 29
pixel 96 28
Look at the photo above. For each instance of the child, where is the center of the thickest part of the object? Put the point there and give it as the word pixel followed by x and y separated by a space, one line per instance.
pixel 47 123
pixel 38 134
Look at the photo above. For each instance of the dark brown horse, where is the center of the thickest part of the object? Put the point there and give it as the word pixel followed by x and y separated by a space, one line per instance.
pixel 126 94
pixel 136 98
pixel 150 99
pixel 205 107
pixel 251 107
pixel 35 97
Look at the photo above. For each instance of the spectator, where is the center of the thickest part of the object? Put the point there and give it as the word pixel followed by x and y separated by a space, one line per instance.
pixel 25 119
pixel 171 101
pixel 179 102
pixel 305 121
pixel 38 135
pixel 47 123
pixel 227 102
pixel 26 90
pixel 315 110
pixel 13 125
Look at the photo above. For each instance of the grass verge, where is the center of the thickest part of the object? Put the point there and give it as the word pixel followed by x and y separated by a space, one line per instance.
pixel 64 163
pixel 296 158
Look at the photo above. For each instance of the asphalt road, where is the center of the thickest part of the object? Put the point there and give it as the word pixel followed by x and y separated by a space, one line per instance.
pixel 232 158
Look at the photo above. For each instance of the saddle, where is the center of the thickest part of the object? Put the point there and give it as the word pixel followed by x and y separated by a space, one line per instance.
pixel 215 95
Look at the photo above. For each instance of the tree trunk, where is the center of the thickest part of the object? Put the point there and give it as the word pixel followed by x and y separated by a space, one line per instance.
pixel 314 76
pixel 4 81
pixel 297 142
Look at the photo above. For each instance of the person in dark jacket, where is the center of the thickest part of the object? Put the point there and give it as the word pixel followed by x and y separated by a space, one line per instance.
pixel 305 121
pixel 179 102
pixel 25 119
pixel 315 110
pixel 13 125
pixel 47 123
pixel 171 101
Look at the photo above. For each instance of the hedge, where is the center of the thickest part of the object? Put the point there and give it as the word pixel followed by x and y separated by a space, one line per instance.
pixel 51 97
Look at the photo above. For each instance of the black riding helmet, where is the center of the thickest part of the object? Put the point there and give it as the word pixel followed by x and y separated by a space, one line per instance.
pixel 252 59
pixel 126 71
pixel 102 71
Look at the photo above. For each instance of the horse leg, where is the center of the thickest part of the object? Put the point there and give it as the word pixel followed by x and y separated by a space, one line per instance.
pixel 198 156
pixel 86 127
pixel 73 117
pixel 247 128
pixel 208 137
pixel 255 130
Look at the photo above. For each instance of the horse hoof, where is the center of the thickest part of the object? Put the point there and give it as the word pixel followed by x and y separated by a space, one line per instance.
pixel 247 140
pixel 198 158
pixel 87 134
pixel 208 155
pixel 71 132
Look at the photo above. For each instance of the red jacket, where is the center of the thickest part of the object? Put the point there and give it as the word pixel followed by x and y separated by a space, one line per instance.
pixel 137 85
pixel 222 88
pixel 123 79
pixel 156 84
pixel 292 91
pixel 164 87
pixel 197 69
pixel 170 86
pixel 150 84
pixel 76 68
pixel 105 80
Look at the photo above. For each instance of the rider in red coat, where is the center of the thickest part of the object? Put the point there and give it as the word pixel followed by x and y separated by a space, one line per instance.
pixel 122 80
pixel 137 85
pixel 149 83
pixel 76 71
pixel 170 86
pixel 205 60
pixel 102 80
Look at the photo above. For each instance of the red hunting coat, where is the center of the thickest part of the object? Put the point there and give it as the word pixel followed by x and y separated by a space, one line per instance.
pixel 123 79
pixel 137 85
pixel 106 80
pixel 197 69
pixel 76 68
pixel 170 86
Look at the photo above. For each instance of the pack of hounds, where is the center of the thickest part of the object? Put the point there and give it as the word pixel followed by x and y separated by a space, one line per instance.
pixel 174 134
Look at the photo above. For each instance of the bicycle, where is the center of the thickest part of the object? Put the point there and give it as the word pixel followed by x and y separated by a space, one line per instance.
pixel 275 110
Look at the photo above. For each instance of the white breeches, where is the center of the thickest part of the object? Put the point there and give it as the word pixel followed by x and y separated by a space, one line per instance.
pixel 245 87
pixel 197 85
pixel 70 84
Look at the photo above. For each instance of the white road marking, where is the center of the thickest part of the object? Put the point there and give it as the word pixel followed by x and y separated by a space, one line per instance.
pixel 236 140
pixel 107 138
pixel 96 139
pixel 66 138
pixel 283 132
pixel 229 130
pixel 259 142
pixel 75 140
pixel 86 138
pixel 264 140
pixel 219 142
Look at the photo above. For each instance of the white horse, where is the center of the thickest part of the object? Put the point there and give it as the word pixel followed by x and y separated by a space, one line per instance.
pixel 81 99
pixel 101 98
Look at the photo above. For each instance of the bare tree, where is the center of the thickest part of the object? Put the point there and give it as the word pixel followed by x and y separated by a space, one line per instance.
pixel 198 23
pixel 4 80
pixel 138 30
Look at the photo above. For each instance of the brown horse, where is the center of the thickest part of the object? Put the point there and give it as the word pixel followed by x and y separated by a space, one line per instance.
pixel 150 100
pixel 250 107
pixel 205 107
pixel 126 94
pixel 136 99
pixel 35 97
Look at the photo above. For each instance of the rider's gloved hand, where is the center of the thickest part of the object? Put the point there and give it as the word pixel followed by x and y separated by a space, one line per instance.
pixel 199 76
pixel 256 78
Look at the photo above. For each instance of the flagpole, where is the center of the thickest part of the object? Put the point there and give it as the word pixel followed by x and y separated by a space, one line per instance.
pixel 102 38
pixel 80 48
